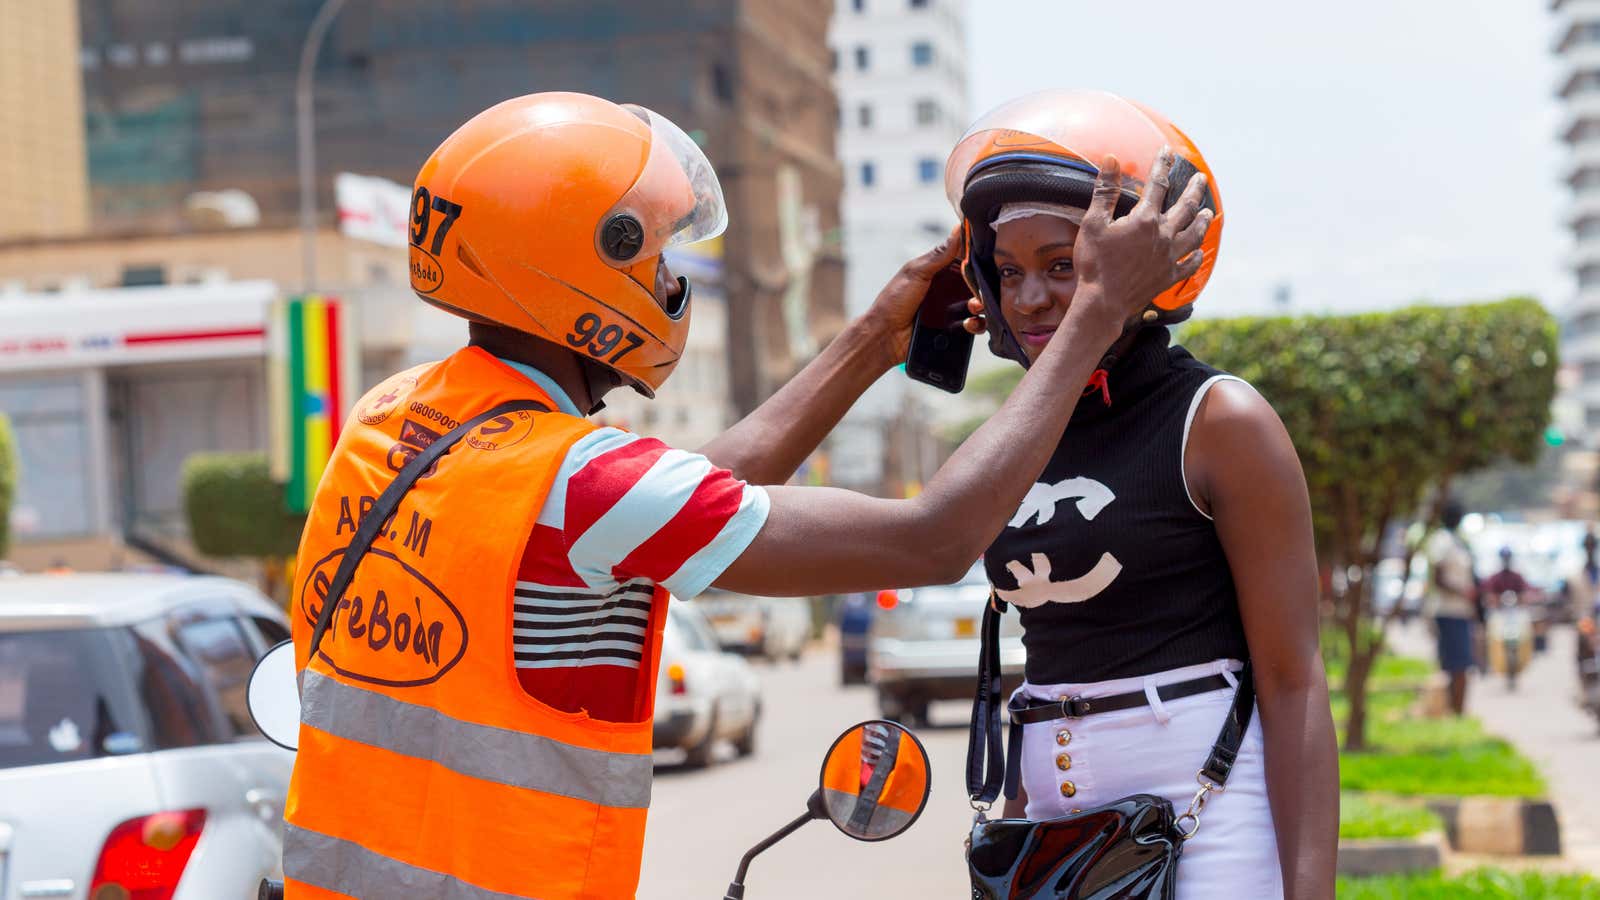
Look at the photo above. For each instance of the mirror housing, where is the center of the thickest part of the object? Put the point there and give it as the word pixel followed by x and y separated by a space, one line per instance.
pixel 273 696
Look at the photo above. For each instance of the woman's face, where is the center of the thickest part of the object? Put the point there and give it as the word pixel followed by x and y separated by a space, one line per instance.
pixel 1034 258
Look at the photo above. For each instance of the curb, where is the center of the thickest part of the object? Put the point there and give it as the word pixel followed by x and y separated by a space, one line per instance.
pixel 1390 856
pixel 1499 826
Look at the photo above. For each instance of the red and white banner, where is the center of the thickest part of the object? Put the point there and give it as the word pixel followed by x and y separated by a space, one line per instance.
pixel 134 325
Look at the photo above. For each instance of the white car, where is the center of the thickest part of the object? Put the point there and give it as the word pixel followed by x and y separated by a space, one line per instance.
pixel 770 627
pixel 704 694
pixel 925 644
pixel 129 764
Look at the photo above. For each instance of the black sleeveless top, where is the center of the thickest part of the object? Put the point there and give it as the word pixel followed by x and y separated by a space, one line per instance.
pixel 1120 574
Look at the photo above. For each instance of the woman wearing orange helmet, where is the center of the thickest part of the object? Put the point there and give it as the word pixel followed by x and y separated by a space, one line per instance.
pixel 517 763
pixel 1168 541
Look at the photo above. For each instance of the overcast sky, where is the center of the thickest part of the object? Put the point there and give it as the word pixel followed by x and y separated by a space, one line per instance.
pixel 1369 153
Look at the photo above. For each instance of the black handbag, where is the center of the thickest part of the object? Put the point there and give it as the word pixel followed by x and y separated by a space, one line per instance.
pixel 1125 850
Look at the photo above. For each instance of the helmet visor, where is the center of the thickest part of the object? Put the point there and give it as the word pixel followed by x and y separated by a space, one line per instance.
pixel 1086 125
pixel 676 199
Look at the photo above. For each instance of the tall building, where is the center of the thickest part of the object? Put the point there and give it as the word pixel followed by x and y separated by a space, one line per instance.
pixel 900 72
pixel 43 180
pixel 1578 46
pixel 202 103
pixel 206 102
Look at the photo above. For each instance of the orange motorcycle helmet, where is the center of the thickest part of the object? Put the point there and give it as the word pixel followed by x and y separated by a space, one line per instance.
pixel 1047 147
pixel 548 214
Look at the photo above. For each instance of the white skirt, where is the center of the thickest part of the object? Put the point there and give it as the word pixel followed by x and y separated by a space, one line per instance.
pixel 1158 749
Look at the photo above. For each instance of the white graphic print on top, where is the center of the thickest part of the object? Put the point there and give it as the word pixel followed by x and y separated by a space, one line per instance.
pixel 1034 584
pixel 1092 496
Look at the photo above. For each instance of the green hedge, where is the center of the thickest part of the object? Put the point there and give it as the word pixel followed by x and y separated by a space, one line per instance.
pixel 1479 884
pixel 8 482
pixel 236 509
pixel 1382 406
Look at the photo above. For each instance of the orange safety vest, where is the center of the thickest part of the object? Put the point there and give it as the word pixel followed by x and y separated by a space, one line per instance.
pixel 425 769
pixel 901 795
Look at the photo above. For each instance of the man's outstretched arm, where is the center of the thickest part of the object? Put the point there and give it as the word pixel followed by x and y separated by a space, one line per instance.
pixel 823 540
pixel 767 446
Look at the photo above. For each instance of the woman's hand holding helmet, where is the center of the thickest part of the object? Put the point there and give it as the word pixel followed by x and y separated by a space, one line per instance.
pixel 1122 264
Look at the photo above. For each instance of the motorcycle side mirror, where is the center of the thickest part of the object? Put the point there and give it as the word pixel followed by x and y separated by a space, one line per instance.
pixel 273 696
pixel 874 784
pixel 875 781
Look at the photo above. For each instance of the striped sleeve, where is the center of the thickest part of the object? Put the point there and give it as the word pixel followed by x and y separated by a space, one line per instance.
pixel 632 507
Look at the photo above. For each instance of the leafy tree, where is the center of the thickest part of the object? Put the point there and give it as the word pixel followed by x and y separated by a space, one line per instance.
pixel 1386 410
pixel 235 509
pixel 8 482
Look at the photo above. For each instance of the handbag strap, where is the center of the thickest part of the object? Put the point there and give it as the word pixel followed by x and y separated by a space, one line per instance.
pixel 986 767
pixel 991 768
pixel 389 501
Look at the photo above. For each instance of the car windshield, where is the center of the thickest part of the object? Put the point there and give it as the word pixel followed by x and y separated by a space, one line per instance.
pixel 84 693
pixel 692 630
pixel 60 699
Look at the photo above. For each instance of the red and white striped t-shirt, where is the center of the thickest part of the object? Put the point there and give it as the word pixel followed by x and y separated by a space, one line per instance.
pixel 625 514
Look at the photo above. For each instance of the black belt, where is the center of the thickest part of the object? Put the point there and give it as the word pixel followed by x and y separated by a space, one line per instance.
pixel 1026 710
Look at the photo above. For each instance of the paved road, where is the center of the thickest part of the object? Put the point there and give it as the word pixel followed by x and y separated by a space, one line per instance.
pixel 701 822
pixel 1542 719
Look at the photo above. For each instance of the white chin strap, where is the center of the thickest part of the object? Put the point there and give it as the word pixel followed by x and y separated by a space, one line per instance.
pixel 1011 212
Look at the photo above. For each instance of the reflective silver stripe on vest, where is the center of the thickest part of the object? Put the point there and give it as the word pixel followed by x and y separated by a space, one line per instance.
pixel 885 819
pixel 348 868
pixel 620 780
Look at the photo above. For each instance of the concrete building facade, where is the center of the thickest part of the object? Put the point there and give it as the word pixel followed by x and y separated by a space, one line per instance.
pixel 205 102
pixel 110 387
pixel 174 105
pixel 43 182
pixel 900 72
pixel 1578 47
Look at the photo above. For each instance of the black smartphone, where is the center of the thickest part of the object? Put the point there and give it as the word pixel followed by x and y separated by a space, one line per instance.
pixel 940 347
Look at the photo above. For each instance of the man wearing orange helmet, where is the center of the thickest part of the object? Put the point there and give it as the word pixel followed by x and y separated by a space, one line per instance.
pixel 1165 554
pixel 477 694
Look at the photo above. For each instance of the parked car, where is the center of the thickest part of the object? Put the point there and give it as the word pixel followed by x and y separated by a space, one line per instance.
pixel 129 764
pixel 771 627
pixel 855 614
pixel 704 694
pixel 925 643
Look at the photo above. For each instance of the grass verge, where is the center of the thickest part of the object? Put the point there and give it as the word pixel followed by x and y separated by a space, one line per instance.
pixel 1409 755
pixel 1363 816
pixel 1479 884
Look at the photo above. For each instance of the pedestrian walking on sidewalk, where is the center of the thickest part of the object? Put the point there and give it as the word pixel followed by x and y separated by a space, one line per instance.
pixel 1452 602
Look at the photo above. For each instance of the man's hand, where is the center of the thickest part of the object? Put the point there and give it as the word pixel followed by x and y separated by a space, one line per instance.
pixel 769 444
pixel 1123 264
pixel 895 309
